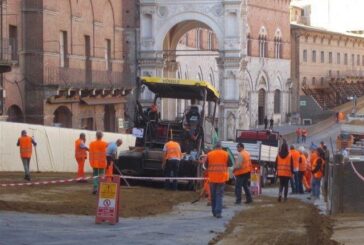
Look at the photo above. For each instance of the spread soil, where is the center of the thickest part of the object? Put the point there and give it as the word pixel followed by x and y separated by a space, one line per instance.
pixel 76 198
pixel 270 222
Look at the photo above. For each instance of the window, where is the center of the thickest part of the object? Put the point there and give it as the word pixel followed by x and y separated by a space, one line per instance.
pixel 322 57
pixel 362 60
pixel 278 44
pixel 352 59
pixel 338 58
pixel 305 55
pixel 345 59
pixel 108 55
pixel 249 45
pixel 63 49
pixel 198 38
pixel 263 45
pixel 322 81
pixel 209 41
pixel 304 82
pixel 314 56
pixel 330 57
pixel 13 42
pixel 358 60
pixel 338 74
pixel 88 64
pixel 313 80
pixel 277 101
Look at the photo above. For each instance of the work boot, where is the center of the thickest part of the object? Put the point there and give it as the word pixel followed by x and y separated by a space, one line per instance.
pixel 248 201
pixel 279 199
pixel 218 216
pixel 27 177
pixel 94 192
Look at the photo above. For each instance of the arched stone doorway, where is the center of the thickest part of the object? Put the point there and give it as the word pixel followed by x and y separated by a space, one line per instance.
pixel 261 105
pixel 63 117
pixel 164 22
pixel 15 114
pixel 109 118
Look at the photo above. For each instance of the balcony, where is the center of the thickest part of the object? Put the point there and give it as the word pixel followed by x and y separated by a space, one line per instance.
pixel 8 54
pixel 79 78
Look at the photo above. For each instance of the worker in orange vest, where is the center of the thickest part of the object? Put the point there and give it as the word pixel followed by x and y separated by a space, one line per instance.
pixel 97 159
pixel 171 159
pixel 294 180
pixel 242 170
pixel 81 155
pixel 25 144
pixel 307 175
pixel 111 156
pixel 302 169
pixel 284 166
pixel 217 167
pixel 318 167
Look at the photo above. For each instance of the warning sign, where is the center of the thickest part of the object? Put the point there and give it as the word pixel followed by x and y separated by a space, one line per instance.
pixel 108 201
pixel 255 183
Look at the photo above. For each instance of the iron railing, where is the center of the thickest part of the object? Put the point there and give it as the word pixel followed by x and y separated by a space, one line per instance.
pixel 8 49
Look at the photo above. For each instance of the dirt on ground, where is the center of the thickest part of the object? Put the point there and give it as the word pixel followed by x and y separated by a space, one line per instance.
pixel 76 198
pixel 270 222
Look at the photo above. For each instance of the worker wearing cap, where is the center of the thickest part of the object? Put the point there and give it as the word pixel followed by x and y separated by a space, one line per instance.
pixel 242 170
pixel 171 159
pixel 111 155
pixel 81 155
pixel 302 168
pixel 98 159
pixel 217 167
pixel 25 144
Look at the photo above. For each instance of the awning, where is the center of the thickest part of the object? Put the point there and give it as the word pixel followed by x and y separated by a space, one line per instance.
pixel 103 101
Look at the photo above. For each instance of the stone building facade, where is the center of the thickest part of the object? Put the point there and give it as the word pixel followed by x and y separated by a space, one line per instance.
pixel 73 62
pixel 320 56
pixel 267 70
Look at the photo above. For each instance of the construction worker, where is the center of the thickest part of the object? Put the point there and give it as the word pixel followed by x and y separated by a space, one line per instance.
pixel 307 176
pixel 242 170
pixel 111 155
pixel 81 155
pixel 217 167
pixel 295 179
pixel 25 144
pixel 284 166
pixel 302 169
pixel 304 135
pixel 97 159
pixel 317 173
pixel 171 159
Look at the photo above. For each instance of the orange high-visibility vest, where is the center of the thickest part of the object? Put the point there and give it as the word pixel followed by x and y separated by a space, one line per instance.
pixel 98 154
pixel 296 158
pixel 26 146
pixel 303 163
pixel 319 173
pixel 79 152
pixel 246 165
pixel 313 157
pixel 218 166
pixel 173 150
pixel 284 166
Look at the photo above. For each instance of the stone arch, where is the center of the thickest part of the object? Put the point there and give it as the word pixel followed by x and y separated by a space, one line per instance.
pixel 262 81
pixel 188 17
pixel 63 117
pixel 15 114
pixel 249 78
pixel 278 84
pixel 278 33
pixel 263 31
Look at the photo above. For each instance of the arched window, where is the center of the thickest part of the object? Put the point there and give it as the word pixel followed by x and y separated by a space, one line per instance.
pixel 278 44
pixel 322 81
pixel 263 44
pixel 248 45
pixel 313 81
pixel 277 101
pixel 304 82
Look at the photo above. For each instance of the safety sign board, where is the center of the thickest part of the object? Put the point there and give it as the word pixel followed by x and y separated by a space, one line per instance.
pixel 255 184
pixel 108 200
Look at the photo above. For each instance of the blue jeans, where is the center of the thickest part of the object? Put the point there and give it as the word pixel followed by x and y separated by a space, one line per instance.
pixel 171 170
pixel 217 194
pixel 26 162
pixel 293 184
pixel 242 181
pixel 300 185
pixel 316 185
